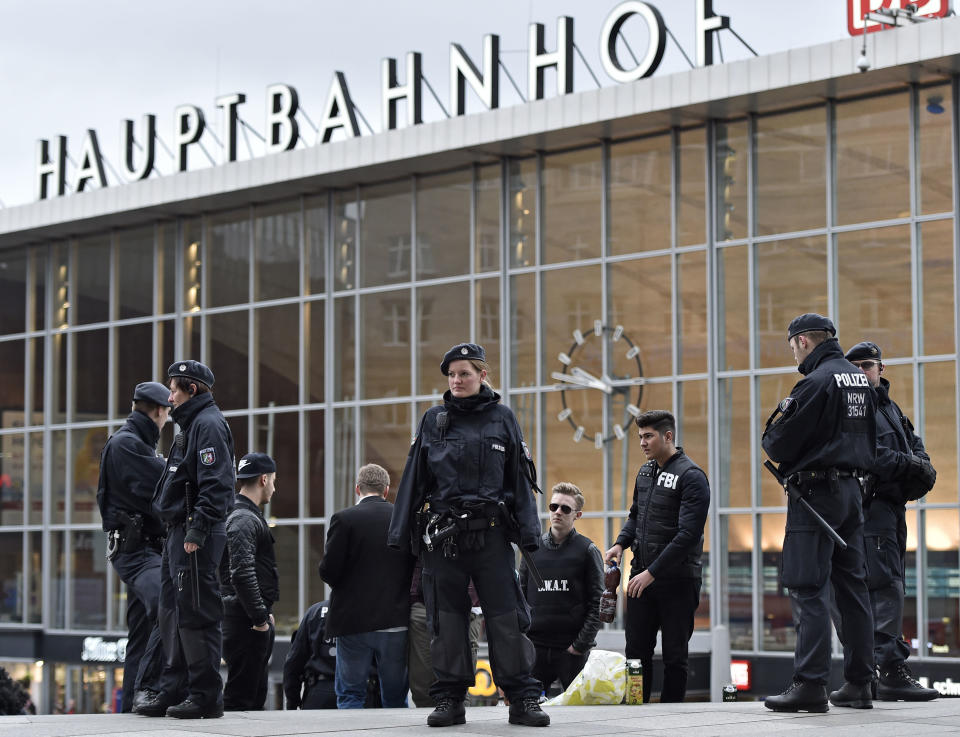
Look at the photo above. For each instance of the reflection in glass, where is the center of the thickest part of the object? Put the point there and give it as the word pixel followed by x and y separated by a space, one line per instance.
pixel 736 578
pixel 11 577
pixel 90 349
pixel 62 292
pixel 780 297
pixel 13 378
pixel 693 421
pixel 385 237
pixel 779 633
pixel 166 266
pixel 572 303
pixel 87 444
pixel 88 580
pixel 936 149
pixel 385 437
pixel 570 459
pixel 770 390
pixel 314 331
pixel 13 291
pixel 91 276
pixel 37 372
pixel 943 584
pixel 344 349
pixel 193 265
pixel 240 432
pixel 313 494
pixel 627 454
pixel 692 308
pixel 133 345
pixel 936 294
pixel 570 200
pixel 34 593
pixel 192 338
pixel 791 170
pixel 488 218
pixel 873 284
pixel 135 270
pixel 276 250
pixel 692 187
pixel 35 498
pixel 733 350
pixel 873 171
pixel 316 589
pixel 910 617
pixel 345 463
pixel 487 327
pixel 345 224
pixel 640 204
pixel 523 220
pixel 387 343
pixel 315 248
pixel 278 355
pixel 227 253
pixel 523 344
pixel 227 350
pixel 438 330
pixel 286 546
pixel 640 293
pixel 12 467
pixel 443 224
pixel 939 432
pixel 732 489
pixel 58 580
pixel 733 146
pixel 278 435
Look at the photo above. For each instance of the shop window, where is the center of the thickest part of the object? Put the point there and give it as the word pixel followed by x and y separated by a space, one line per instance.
pixel 942 576
pixel 734 431
pixel 11 577
pixel 736 579
pixel 12 467
pixel 779 634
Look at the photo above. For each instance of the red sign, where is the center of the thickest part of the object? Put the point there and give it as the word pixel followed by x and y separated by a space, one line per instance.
pixel 856 9
pixel 740 674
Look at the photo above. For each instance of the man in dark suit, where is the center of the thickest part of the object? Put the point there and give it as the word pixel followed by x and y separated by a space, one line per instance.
pixel 369 600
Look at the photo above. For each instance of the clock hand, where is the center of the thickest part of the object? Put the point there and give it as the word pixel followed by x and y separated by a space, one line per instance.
pixel 592 380
pixel 569 379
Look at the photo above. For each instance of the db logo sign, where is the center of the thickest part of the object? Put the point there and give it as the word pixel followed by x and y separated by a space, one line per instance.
pixel 856 9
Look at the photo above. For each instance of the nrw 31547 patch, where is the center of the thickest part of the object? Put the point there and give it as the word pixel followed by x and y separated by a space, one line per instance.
pixel 208 456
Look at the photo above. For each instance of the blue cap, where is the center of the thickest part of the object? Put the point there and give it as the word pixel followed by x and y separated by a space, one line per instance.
pixel 462 352
pixel 152 391
pixel 255 464
pixel 191 370
pixel 810 321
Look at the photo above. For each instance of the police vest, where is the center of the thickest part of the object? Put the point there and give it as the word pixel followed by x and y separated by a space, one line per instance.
pixel 657 497
pixel 559 606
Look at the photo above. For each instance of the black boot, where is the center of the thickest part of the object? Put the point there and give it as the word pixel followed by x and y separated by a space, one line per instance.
pixel 800 696
pixel 149 703
pixel 898 684
pixel 189 709
pixel 448 712
pixel 853 695
pixel 526 711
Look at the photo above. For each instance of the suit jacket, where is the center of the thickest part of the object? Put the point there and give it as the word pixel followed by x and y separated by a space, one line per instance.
pixel 370 583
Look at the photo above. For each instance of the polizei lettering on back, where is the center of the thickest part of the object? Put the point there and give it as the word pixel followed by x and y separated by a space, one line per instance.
pixel 857 379
pixel 282 131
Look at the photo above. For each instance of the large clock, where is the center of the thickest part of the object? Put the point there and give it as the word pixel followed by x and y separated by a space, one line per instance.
pixel 582 370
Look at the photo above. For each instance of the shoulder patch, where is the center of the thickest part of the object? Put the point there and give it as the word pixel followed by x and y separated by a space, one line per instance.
pixel 787 404
pixel 526 451
pixel 208 456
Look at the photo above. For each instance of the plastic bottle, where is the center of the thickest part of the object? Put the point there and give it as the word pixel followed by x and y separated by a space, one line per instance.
pixel 608 599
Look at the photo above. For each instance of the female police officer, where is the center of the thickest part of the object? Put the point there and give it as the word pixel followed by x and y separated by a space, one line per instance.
pixel 465 493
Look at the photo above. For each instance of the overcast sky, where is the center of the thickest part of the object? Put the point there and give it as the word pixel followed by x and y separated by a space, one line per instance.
pixel 70 66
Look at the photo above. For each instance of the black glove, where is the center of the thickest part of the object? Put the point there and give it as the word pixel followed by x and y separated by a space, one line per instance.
pixel 921 476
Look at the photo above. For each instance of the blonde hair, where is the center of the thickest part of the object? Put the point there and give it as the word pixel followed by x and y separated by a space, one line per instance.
pixel 480 366
pixel 569 489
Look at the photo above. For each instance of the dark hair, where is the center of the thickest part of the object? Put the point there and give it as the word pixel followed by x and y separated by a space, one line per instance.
pixel 659 419
pixel 183 384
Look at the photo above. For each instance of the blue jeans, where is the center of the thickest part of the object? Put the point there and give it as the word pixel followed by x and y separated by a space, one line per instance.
pixel 355 656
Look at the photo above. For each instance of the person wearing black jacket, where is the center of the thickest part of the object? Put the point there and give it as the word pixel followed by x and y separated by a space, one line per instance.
pixel 664 530
pixel 467 487
pixel 902 473
pixel 192 499
pixel 566 610
pixel 824 436
pixel 129 470
pixel 311 664
pixel 368 619
pixel 250 586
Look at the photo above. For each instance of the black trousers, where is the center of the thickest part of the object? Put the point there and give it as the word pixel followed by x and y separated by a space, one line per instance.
pixel 885 544
pixel 247 653
pixel 666 606
pixel 143 664
pixel 557 663
pixel 811 564
pixel 192 635
pixel 321 695
pixel 507 616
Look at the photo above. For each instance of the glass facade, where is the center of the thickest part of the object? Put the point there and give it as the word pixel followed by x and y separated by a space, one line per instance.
pixel 670 263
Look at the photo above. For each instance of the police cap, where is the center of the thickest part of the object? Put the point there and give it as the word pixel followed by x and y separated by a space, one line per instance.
pixel 864 351
pixel 191 370
pixel 255 464
pixel 810 321
pixel 152 391
pixel 462 352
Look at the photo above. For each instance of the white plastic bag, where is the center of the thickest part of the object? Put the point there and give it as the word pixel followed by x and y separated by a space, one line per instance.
pixel 602 681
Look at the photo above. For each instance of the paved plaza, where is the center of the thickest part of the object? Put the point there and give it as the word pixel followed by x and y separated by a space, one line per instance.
pixel 689 720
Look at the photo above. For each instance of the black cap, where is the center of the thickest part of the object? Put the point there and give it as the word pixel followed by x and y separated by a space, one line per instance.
pixel 462 352
pixel 864 351
pixel 810 321
pixel 255 464
pixel 191 370
pixel 152 391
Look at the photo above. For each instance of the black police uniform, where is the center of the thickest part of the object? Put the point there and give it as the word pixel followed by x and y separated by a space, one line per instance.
pixel 129 470
pixel 665 531
pixel 469 455
pixel 566 610
pixel 311 664
pixel 250 586
pixel 822 435
pixel 201 456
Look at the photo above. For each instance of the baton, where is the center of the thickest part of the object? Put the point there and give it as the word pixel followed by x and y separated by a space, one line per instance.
pixel 194 573
pixel 794 493
pixel 511 522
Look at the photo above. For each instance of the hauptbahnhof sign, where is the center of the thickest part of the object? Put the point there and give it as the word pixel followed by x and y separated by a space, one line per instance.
pixel 138 157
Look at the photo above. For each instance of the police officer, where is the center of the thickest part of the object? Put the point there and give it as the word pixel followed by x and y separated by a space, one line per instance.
pixel 311 664
pixel 469 465
pixel 129 470
pixel 901 473
pixel 823 435
pixel 192 499
pixel 250 586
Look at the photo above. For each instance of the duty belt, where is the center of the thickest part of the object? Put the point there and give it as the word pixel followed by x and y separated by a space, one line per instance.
pixel 831 475
pixel 314 677
pixel 442 526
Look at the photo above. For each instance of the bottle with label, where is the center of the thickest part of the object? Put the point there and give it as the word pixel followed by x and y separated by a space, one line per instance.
pixel 608 599
pixel 634 682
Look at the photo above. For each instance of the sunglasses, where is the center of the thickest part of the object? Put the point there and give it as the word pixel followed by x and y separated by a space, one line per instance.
pixel 562 507
pixel 865 364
